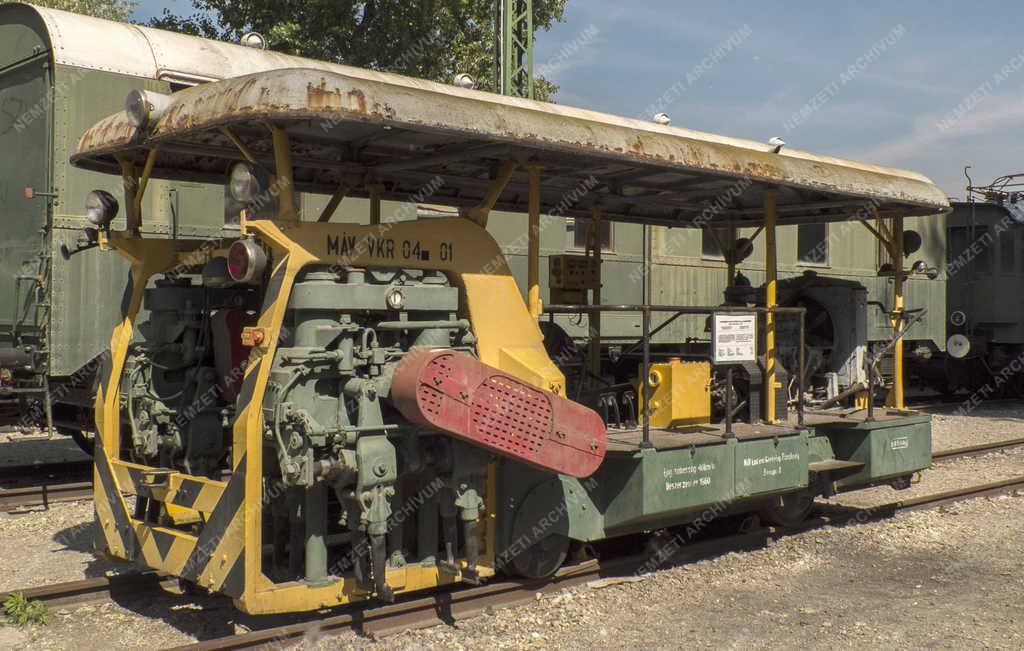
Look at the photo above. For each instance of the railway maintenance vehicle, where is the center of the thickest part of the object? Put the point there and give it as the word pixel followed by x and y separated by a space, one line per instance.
pixel 311 413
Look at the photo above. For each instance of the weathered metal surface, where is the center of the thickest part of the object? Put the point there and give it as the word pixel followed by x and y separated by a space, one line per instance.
pixel 633 167
pixel 22 249
pixel 454 393
pixel 986 246
pixel 889 447
pixel 137 51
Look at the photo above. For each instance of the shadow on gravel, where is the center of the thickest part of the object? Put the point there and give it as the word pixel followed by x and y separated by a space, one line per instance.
pixel 78 538
pixel 38 449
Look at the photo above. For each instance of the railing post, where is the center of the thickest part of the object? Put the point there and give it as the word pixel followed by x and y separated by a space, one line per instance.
pixel 770 302
pixel 646 382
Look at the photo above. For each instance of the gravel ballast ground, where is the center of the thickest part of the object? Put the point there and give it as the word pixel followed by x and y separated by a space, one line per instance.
pixel 949 578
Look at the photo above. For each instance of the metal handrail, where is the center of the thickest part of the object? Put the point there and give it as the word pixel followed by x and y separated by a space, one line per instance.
pixel 646 311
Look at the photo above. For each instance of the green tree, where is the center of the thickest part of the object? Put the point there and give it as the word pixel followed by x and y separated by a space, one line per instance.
pixel 431 39
pixel 110 9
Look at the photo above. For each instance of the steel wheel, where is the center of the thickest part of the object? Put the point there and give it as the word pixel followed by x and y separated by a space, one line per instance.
pixel 541 559
pixel 789 510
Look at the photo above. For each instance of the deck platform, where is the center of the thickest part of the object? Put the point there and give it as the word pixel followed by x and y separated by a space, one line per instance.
pixel 817 418
pixel 629 440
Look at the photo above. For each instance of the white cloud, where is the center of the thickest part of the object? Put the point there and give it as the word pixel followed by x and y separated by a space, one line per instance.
pixel 995 113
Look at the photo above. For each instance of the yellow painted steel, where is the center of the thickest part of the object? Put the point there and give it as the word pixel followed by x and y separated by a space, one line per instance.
pixel 892 240
pixel 243 149
pixel 177 556
pixel 680 393
pixel 143 181
pixel 770 301
pixel 208 496
pixel 533 248
pixel 481 212
pixel 129 178
pixel 508 338
pixel 284 181
pixel 895 397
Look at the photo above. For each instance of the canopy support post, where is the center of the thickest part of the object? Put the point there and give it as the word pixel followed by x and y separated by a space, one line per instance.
pixel 731 254
pixel 284 173
pixel 533 250
pixel 895 397
pixel 242 148
pixel 335 201
pixel 593 254
pixel 892 239
pixel 481 212
pixel 135 188
pixel 374 205
pixel 770 301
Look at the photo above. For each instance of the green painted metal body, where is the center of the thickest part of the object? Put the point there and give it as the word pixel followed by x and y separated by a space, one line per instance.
pixel 889 449
pixel 648 489
pixel 72 308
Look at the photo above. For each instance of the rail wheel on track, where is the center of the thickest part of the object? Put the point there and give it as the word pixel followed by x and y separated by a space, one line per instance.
pixel 789 510
pixel 541 559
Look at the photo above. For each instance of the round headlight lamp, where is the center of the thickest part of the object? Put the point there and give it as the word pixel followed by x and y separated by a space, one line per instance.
pixel 246 261
pixel 100 208
pixel 395 299
pixel 144 107
pixel 246 182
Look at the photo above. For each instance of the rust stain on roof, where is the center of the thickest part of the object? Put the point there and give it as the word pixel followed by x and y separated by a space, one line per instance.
pixel 537 129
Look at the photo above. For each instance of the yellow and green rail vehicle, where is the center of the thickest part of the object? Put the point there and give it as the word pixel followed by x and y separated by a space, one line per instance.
pixel 310 412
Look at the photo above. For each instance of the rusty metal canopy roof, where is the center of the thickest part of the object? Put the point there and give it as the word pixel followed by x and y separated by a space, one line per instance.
pixel 429 142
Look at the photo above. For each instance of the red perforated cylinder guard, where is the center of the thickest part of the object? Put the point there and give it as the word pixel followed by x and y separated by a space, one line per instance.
pixel 460 396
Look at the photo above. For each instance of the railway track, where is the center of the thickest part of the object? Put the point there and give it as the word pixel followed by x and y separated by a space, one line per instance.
pixel 12 499
pixel 94 589
pixel 43 484
pixel 977 450
pixel 21 487
pixel 448 606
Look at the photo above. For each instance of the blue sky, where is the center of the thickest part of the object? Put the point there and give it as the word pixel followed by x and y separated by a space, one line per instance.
pixel 927 85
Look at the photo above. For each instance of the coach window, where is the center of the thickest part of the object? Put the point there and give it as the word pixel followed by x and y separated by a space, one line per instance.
pixel 576 234
pixel 812 244
pixel 1007 252
pixel 978 250
pixel 956 244
pixel 709 245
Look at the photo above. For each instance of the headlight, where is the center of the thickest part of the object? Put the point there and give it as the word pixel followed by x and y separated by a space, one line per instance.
pixel 100 208
pixel 246 182
pixel 246 261
pixel 395 299
pixel 145 107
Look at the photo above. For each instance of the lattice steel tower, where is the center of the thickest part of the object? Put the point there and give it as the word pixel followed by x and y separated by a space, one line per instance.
pixel 515 47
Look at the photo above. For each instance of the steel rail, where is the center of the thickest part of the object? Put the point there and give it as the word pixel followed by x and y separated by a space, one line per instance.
pixel 976 450
pixel 12 499
pixel 50 470
pixel 93 589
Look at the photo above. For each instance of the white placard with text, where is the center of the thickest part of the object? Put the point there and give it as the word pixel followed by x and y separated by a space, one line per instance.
pixel 734 338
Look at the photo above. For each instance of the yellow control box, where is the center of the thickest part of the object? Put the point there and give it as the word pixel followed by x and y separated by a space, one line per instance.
pixel 680 393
